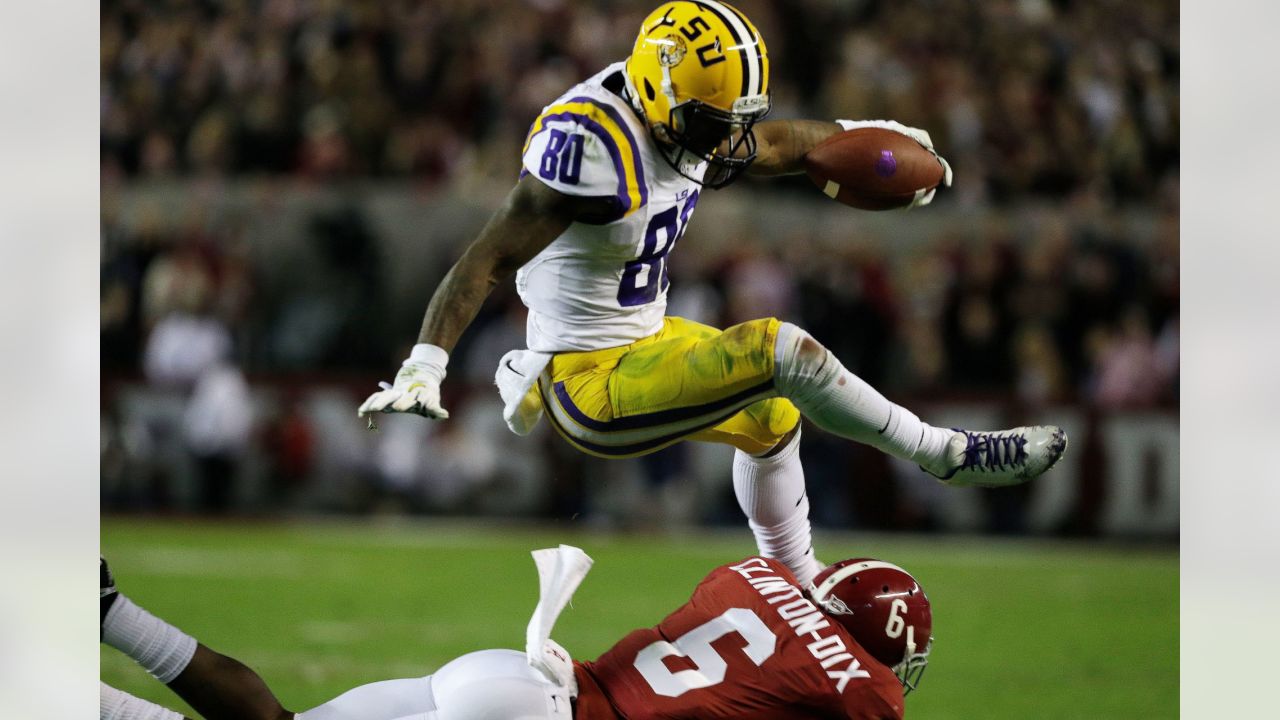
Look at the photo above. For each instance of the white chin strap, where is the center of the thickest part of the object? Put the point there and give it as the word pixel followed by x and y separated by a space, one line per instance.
pixel 668 90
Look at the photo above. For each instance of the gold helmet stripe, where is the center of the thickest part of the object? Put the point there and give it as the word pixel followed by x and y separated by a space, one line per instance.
pixel 745 42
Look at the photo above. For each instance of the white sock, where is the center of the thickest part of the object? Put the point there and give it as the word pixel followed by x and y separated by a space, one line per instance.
pixel 771 492
pixel 161 648
pixel 116 704
pixel 386 700
pixel 842 403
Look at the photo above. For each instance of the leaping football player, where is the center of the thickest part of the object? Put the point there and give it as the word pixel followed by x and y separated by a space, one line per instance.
pixel 612 172
pixel 751 644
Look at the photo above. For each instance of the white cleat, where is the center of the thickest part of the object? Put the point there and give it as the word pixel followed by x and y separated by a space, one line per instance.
pixel 1003 457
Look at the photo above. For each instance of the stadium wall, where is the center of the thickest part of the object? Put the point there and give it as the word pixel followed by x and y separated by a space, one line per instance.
pixel 1119 479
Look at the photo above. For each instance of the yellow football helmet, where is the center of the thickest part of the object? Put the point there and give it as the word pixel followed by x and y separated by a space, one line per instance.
pixel 699 75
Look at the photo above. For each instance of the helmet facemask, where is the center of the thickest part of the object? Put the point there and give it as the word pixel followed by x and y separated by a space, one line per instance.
pixel 911 669
pixel 698 133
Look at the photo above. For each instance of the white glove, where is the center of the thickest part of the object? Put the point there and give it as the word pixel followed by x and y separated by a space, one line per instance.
pixel 920 136
pixel 556 666
pixel 560 571
pixel 517 380
pixel 416 388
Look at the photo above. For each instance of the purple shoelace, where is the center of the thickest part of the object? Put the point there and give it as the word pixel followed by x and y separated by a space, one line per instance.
pixel 990 452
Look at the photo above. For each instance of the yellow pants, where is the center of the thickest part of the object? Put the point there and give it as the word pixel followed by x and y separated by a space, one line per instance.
pixel 688 381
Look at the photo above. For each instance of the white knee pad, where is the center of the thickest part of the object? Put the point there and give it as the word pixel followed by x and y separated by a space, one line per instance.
pixel 799 376
pixel 840 402
pixel 497 685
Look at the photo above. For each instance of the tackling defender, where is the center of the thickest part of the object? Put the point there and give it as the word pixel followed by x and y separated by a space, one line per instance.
pixel 752 643
pixel 612 173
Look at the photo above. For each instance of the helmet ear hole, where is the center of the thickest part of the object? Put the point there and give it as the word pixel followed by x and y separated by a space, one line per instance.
pixel 649 91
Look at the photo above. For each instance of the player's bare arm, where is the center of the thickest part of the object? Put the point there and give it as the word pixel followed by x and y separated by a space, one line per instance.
pixel 782 144
pixel 532 216
pixel 218 686
pixel 782 147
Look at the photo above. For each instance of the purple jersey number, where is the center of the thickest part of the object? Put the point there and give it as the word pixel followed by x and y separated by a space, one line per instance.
pixel 644 277
pixel 564 151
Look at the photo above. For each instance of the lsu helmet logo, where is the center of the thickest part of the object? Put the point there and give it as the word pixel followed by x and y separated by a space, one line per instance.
pixel 671 51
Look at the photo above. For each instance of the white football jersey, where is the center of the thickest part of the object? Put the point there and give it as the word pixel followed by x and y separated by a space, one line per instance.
pixel 604 284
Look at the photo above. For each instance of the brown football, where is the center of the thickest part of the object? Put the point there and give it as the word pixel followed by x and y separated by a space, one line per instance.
pixel 872 168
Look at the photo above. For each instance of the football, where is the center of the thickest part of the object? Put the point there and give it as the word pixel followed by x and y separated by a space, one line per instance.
pixel 872 168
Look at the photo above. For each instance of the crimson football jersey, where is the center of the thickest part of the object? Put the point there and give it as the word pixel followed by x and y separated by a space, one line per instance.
pixel 748 645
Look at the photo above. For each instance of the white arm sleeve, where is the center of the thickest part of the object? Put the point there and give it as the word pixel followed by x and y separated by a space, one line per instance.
pixel 116 704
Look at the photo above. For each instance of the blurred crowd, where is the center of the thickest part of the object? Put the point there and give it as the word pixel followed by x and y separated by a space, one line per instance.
pixel 1031 97
pixel 201 354
pixel 232 369
pixel 1047 305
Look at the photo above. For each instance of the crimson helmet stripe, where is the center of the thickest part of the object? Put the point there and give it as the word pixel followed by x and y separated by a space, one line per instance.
pixel 746 43
pixel 848 571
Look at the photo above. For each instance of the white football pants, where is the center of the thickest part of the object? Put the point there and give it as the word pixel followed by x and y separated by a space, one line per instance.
pixel 483 685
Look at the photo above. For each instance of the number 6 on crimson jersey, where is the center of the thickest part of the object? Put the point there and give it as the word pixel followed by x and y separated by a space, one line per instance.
pixel 696 645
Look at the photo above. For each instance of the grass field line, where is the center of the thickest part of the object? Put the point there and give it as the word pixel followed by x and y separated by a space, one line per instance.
pixel 416 633
pixel 216 563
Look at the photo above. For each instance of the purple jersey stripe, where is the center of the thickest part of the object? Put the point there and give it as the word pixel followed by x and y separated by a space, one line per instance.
pixel 631 140
pixel 624 197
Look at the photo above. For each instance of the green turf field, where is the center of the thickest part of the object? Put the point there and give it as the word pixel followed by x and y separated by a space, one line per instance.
pixel 1023 630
